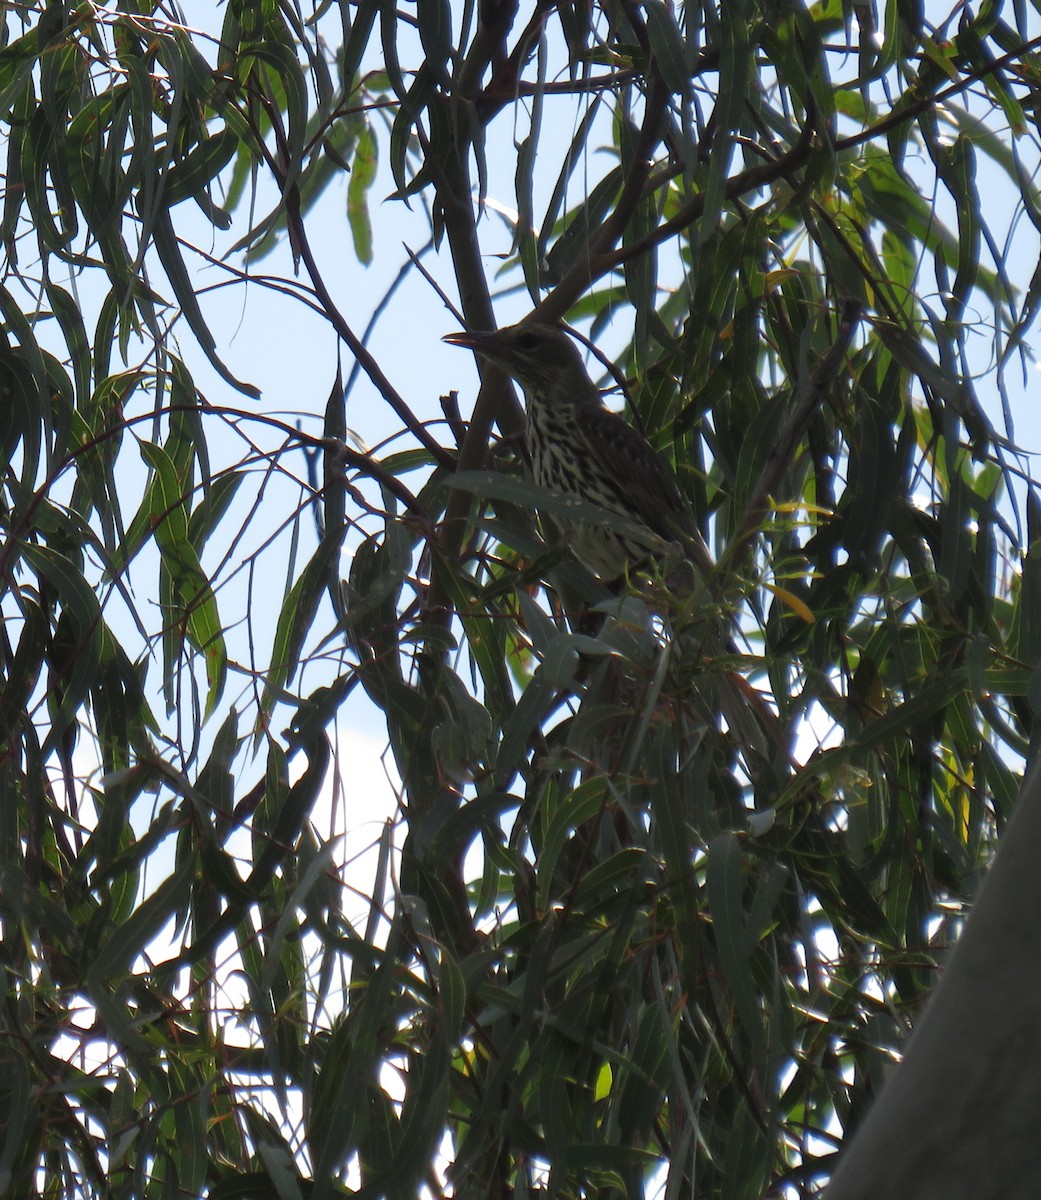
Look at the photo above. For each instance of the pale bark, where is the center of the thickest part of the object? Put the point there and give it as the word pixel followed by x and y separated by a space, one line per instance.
pixel 961 1117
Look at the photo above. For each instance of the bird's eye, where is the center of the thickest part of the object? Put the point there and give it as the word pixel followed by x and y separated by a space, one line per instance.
pixel 528 341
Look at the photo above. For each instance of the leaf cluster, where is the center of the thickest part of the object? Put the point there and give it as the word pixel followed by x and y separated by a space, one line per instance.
pixel 657 910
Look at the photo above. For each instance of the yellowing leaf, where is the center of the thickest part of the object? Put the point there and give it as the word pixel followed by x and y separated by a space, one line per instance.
pixel 799 607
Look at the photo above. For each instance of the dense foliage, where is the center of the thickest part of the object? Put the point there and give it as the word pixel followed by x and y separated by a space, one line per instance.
pixel 622 946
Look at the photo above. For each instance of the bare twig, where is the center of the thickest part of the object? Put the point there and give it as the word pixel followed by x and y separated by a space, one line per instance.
pixel 368 364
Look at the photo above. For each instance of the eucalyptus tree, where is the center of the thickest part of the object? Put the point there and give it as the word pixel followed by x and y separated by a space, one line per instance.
pixel 622 937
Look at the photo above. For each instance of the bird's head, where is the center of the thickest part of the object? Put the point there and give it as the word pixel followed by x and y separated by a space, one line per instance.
pixel 542 358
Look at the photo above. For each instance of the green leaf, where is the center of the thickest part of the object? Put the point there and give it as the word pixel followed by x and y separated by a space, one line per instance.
pixel 196 617
pixel 168 249
pixel 295 619
pixel 79 604
pixel 434 18
pixel 125 944
pixel 667 46
pixel 363 175
pixel 725 879
pixel 196 171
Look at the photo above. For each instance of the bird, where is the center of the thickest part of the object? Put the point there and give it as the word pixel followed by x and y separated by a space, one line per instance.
pixel 583 451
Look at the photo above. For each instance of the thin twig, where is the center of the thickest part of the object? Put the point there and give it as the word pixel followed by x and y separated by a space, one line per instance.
pixel 368 364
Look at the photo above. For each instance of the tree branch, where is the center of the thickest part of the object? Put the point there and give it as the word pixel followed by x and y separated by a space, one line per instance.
pixel 302 247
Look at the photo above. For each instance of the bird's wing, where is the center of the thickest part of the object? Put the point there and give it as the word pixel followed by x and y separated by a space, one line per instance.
pixel 641 476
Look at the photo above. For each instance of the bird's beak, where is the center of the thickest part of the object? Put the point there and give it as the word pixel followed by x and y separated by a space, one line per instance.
pixel 469 341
